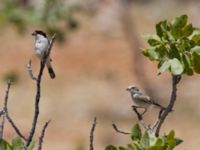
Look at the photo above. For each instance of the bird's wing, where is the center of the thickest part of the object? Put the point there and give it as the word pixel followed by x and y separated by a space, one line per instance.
pixel 143 98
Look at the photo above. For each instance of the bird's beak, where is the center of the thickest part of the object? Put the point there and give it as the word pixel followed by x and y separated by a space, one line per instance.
pixel 127 89
pixel 33 34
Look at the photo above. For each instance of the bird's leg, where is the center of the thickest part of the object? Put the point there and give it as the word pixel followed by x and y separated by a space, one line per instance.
pixel 145 110
pixel 136 107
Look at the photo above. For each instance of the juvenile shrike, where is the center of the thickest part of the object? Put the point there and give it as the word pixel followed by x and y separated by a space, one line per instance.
pixel 141 100
pixel 41 46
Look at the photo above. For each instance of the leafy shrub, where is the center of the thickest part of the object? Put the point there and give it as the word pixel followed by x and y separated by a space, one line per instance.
pixel 148 141
pixel 17 144
pixel 176 46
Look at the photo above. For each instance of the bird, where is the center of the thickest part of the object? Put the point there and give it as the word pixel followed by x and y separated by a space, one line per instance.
pixel 140 100
pixel 41 47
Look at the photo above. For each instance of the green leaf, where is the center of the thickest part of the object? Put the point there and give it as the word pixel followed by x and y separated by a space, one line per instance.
pixel 153 40
pixel 151 53
pixel 187 64
pixel 171 135
pixel 171 143
pixel 196 61
pixel 187 30
pixel 174 52
pixel 136 132
pixel 111 147
pixel 164 66
pixel 31 145
pixel 196 49
pixel 159 142
pixel 121 148
pixel 145 140
pixel 161 51
pixel 180 22
pixel 178 141
pixel 131 147
pixel 17 144
pixel 157 148
pixel 176 32
pixel 161 29
pixel 176 67
pixel 196 37
pixel 152 139
pixel 3 145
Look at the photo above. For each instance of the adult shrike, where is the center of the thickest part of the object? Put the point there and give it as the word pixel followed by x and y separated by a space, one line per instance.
pixel 141 100
pixel 41 46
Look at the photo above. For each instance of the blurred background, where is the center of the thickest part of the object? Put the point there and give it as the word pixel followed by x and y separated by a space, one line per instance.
pixel 95 57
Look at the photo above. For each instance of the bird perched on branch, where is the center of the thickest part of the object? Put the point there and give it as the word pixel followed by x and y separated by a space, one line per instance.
pixel 41 46
pixel 141 100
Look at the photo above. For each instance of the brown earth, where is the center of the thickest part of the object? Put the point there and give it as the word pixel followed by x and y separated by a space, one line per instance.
pixel 92 71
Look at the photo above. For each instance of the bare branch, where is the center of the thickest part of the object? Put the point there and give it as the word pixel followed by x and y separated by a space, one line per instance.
pixel 37 97
pixel 119 131
pixel 92 134
pixel 30 70
pixel 7 114
pixel 175 81
pixel 42 135
pixel 140 118
pixel 2 127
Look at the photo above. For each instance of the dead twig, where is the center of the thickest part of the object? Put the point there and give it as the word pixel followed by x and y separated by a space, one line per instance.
pixel 42 135
pixel 92 134
pixel 30 70
pixel 140 118
pixel 2 128
pixel 7 116
pixel 119 131
pixel 38 90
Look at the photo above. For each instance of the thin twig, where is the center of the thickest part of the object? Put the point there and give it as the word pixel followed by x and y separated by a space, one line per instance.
pixel 7 114
pixel 119 131
pixel 175 81
pixel 140 118
pixel 38 90
pixel 1 113
pixel 158 120
pixel 92 134
pixel 30 70
pixel 42 135
pixel 2 128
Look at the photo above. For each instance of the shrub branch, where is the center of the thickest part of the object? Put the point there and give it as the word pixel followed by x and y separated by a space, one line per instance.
pixel 175 80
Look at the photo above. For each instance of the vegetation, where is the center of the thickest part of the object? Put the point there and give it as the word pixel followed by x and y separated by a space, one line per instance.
pixel 176 48
pixel 54 17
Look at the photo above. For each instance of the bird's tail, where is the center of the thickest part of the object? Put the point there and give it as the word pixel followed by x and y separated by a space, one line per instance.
pixel 158 105
pixel 50 70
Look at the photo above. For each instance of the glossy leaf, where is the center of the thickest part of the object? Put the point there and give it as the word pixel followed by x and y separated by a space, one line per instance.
pixel 196 62
pixel 176 67
pixel 121 148
pixel 180 22
pixel 145 140
pixel 196 49
pixel 171 143
pixel 171 135
pixel 157 148
pixel 17 144
pixel 178 141
pixel 153 40
pixel 187 64
pixel 151 53
pixel 187 30
pixel 165 66
pixel 111 147
pixel 136 132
